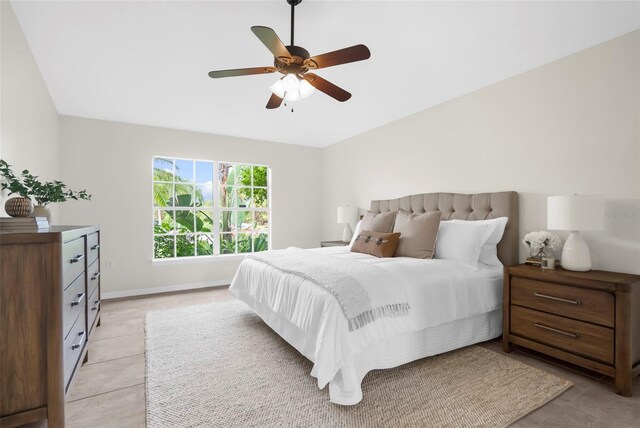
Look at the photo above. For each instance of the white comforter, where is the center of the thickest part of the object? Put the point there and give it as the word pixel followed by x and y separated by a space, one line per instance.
pixel 310 319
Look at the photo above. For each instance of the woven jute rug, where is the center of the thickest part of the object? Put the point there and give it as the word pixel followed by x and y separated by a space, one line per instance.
pixel 219 365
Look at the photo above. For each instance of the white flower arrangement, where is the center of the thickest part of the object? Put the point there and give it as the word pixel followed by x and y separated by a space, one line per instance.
pixel 539 242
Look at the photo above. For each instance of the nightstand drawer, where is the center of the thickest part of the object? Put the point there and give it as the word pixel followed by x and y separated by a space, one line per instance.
pixel 577 337
pixel 573 302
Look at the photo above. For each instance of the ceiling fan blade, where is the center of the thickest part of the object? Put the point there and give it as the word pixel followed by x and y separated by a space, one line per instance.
pixel 271 41
pixel 241 72
pixel 274 101
pixel 327 87
pixel 341 56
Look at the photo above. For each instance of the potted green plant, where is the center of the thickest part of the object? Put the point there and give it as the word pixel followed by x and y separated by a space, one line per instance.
pixel 20 206
pixel 44 193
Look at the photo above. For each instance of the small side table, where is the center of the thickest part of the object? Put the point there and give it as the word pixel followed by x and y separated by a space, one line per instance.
pixel 333 243
pixel 591 319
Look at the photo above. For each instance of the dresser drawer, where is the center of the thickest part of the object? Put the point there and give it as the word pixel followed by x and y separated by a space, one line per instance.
pixel 573 302
pixel 74 301
pixel 589 340
pixel 93 308
pixel 93 275
pixel 93 247
pixel 73 346
pixel 72 260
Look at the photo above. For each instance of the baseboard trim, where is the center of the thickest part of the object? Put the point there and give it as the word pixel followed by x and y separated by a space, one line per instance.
pixel 166 289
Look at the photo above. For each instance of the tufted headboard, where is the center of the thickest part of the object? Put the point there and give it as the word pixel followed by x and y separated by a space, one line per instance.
pixel 477 206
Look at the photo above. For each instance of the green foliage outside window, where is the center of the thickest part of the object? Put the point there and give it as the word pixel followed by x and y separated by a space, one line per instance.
pixel 187 222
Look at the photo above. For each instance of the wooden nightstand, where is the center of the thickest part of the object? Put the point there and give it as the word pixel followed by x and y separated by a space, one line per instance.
pixel 591 319
pixel 333 243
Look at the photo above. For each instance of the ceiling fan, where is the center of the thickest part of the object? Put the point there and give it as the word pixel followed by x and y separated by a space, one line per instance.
pixel 295 63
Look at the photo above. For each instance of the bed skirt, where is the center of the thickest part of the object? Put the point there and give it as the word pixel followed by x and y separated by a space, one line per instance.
pixel 344 388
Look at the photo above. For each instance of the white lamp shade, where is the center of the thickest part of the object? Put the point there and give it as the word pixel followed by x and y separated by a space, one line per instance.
pixel 347 215
pixel 575 212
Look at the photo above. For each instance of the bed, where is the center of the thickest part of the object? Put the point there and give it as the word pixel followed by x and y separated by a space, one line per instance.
pixel 452 304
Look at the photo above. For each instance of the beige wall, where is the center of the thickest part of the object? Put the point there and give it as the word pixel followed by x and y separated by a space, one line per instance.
pixel 571 126
pixel 29 121
pixel 113 161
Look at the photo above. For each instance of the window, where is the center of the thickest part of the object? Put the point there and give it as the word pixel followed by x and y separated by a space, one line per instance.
pixel 205 208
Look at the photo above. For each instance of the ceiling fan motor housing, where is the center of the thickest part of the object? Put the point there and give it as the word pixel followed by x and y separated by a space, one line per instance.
pixel 296 63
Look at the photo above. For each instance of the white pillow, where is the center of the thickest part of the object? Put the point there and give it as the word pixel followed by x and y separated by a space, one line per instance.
pixel 462 240
pixel 489 251
pixel 355 234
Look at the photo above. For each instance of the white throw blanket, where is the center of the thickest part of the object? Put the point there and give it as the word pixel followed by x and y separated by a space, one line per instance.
pixel 364 291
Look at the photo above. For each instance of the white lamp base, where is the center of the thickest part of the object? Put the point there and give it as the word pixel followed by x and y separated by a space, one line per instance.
pixel 347 233
pixel 575 253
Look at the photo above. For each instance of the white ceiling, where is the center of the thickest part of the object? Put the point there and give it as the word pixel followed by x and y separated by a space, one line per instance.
pixel 146 62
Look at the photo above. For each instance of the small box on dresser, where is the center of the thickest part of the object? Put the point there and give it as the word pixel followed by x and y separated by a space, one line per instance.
pixel 591 319
pixel 49 304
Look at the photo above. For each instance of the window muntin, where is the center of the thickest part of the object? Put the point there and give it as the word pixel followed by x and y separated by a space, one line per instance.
pixel 195 215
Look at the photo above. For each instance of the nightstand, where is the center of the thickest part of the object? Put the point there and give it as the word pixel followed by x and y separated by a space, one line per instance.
pixel 333 243
pixel 591 319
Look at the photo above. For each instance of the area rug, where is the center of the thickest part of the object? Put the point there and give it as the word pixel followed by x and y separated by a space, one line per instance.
pixel 219 365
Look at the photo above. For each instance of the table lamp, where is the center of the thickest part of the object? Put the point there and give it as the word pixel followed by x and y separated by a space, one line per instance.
pixel 575 213
pixel 347 215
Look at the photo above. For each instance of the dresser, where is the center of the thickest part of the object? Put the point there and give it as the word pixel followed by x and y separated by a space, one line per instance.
pixel 49 305
pixel 591 319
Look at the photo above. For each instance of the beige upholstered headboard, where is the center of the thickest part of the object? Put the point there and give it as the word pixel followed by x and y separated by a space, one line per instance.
pixel 478 206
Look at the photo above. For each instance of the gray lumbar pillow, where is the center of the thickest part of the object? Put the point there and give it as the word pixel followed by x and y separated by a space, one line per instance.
pixel 418 234
pixel 378 222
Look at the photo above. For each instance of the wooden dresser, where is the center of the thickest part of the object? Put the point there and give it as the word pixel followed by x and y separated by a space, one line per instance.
pixel 49 304
pixel 591 319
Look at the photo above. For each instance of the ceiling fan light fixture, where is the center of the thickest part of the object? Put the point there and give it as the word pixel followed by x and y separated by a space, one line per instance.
pixel 292 88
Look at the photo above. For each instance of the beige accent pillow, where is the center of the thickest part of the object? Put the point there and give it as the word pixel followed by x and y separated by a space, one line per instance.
pixel 376 243
pixel 418 234
pixel 378 222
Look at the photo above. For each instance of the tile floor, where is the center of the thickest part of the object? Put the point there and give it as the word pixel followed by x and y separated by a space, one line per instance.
pixel 109 391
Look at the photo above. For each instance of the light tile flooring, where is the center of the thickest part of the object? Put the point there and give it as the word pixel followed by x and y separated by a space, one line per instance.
pixel 109 390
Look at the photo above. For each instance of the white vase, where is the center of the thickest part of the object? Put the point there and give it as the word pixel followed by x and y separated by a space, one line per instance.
pixel 347 233
pixel 42 211
pixel 575 253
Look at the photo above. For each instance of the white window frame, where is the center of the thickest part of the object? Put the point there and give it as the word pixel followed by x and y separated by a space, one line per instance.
pixel 216 209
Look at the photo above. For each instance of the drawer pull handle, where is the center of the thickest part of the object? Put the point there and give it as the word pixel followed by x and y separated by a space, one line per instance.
pixel 82 334
pixel 77 258
pixel 95 276
pixel 555 330
pixel 557 299
pixel 95 247
pixel 79 300
pixel 96 306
